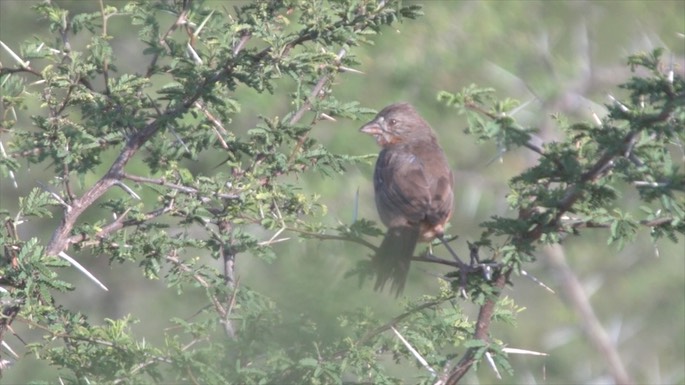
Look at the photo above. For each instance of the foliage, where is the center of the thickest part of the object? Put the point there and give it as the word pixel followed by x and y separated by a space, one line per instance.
pixel 577 181
pixel 100 128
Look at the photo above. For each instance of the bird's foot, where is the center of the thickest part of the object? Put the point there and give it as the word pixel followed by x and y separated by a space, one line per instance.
pixel 474 266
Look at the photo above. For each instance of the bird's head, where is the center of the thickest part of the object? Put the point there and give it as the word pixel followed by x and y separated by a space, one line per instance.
pixel 397 123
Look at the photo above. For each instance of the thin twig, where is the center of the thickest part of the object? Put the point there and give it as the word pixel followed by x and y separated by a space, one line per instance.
pixel 386 326
pixel 334 237
pixel 173 186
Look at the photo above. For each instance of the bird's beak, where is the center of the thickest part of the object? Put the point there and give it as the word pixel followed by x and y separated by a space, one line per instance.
pixel 373 127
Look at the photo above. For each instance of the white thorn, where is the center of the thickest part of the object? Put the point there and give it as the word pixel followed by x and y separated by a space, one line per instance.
pixel 77 265
pixel 488 356
pixel 414 352
pixel 523 351
pixel 327 117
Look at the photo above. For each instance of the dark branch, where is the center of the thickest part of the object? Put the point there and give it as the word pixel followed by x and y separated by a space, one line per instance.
pixel 572 195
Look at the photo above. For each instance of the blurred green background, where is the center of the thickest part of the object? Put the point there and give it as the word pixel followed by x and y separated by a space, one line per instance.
pixel 557 56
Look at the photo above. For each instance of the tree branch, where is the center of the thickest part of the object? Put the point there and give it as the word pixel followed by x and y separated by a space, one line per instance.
pixel 60 236
pixel 173 186
pixel 571 196
pixel 481 333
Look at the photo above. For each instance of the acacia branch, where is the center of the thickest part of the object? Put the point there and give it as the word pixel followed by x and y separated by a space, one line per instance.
pixel 494 117
pixel 483 323
pixel 572 194
pixel 60 237
pixel 657 222
pixel 481 332
pixel 119 224
pixel 173 186
pixel 9 71
pixel 218 306
pixel 180 20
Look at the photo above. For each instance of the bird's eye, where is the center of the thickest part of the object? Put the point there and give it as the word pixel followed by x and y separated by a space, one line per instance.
pixel 392 122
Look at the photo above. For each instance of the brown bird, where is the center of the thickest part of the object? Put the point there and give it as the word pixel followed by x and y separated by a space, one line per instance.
pixel 413 189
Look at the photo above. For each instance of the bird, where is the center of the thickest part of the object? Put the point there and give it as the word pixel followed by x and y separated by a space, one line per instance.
pixel 413 190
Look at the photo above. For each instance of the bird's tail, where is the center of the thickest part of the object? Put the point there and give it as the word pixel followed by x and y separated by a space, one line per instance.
pixel 393 258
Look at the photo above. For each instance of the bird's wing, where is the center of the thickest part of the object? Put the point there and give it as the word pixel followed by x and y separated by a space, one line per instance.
pixel 412 187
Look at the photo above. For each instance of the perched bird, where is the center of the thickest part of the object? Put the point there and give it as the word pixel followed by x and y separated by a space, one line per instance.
pixel 413 189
